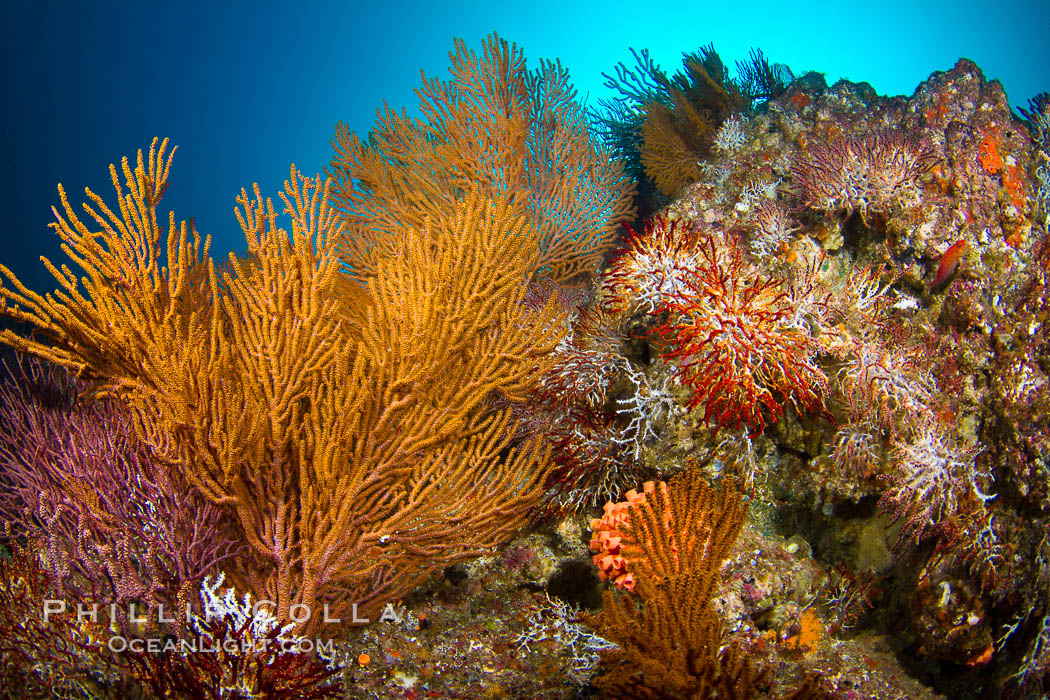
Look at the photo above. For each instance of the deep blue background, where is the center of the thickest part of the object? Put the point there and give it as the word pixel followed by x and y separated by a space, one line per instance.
pixel 245 89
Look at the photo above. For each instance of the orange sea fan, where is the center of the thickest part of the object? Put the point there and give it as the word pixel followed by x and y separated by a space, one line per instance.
pixel 495 127
pixel 674 537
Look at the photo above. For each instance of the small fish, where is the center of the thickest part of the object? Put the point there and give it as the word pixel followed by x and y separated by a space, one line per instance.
pixel 949 262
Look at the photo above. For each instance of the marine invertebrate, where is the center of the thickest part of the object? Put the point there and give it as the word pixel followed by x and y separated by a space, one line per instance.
pixel 649 402
pixel 679 114
pixel 349 454
pixel 856 449
pixel 1042 174
pixel 851 303
pixel 848 595
pixel 773 229
pixel 1038 117
pixel 118 523
pixel 596 409
pixel 57 655
pixel 886 386
pixel 495 127
pixel 933 481
pixel 674 539
pixel 246 654
pixel 757 189
pixel 585 363
pixel 556 621
pixel 1014 181
pixel 608 537
pixel 874 173
pixel 731 136
pixel 591 459
pixel 737 344
pixel 761 80
pixel 988 152
pixel 678 132
pixel 652 268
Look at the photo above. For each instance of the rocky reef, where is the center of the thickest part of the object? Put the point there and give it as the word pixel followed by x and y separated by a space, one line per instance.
pixel 845 315
pixel 787 437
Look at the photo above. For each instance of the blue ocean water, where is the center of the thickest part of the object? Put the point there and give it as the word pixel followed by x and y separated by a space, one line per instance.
pixel 246 88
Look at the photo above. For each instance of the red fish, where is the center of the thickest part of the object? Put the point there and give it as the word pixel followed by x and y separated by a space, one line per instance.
pixel 949 261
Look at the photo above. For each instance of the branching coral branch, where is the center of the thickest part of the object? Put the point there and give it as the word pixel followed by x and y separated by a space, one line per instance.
pixel 354 448
pixel 738 341
pixel 495 127
pixel 236 651
pixel 54 655
pixel 679 130
pixel 108 512
pixel 674 538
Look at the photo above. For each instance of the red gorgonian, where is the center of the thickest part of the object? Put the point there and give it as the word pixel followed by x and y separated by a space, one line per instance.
pixel 739 344
pixel 651 268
